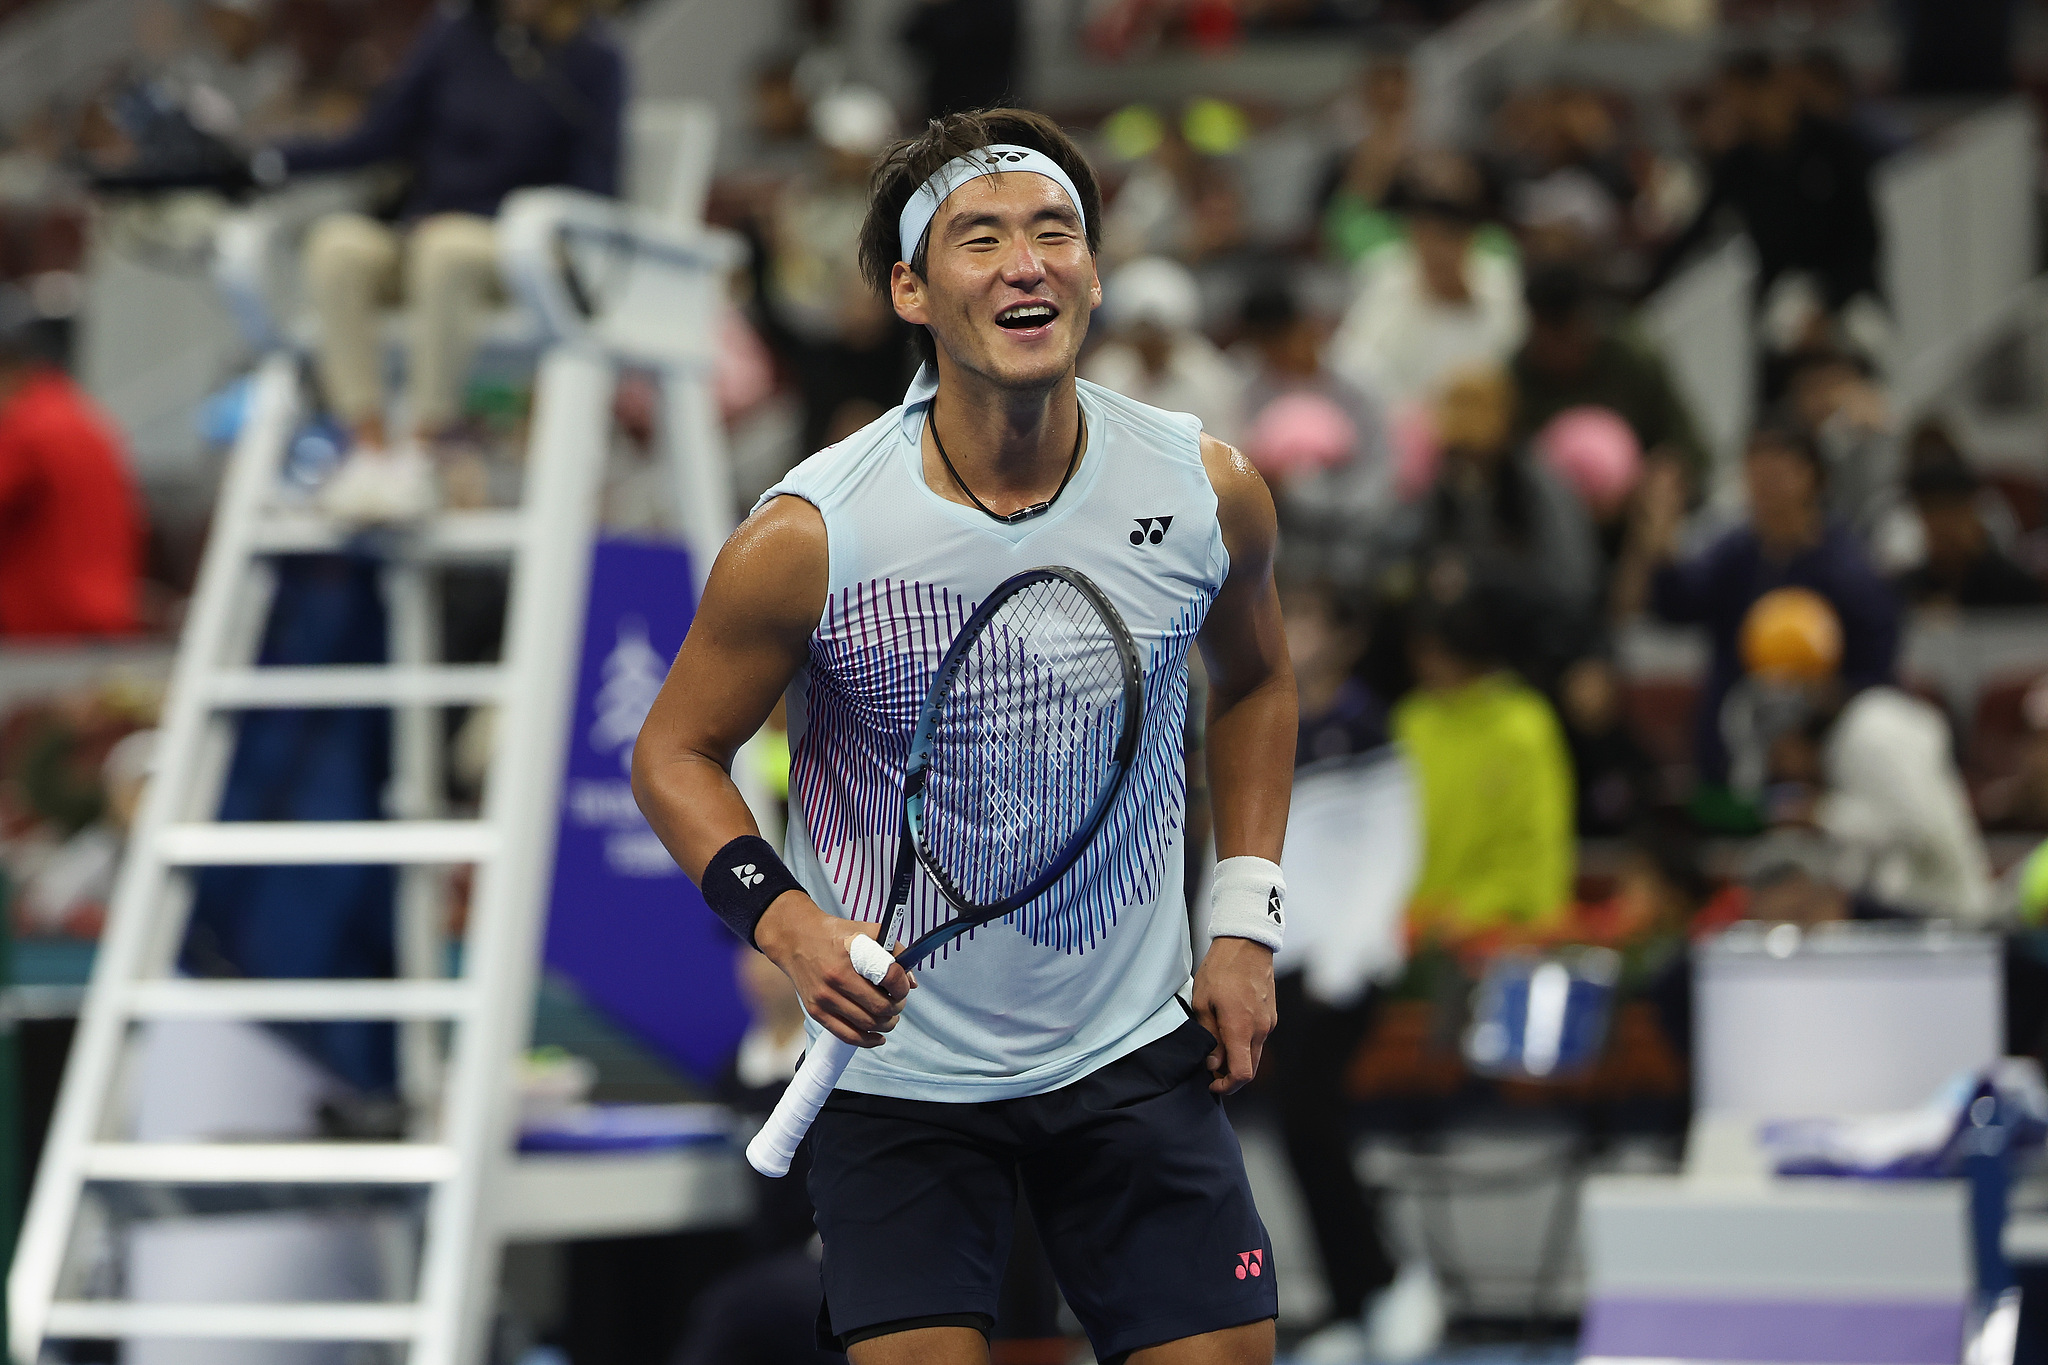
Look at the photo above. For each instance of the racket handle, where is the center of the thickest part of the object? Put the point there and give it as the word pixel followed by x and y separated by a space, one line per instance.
pixel 774 1147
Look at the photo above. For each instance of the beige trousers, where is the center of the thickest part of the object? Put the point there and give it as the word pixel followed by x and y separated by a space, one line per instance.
pixel 445 271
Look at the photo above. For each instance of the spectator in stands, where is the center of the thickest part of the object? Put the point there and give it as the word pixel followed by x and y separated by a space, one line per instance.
pixel 1356 219
pixel 1873 768
pixel 71 524
pixel 1340 715
pixel 841 343
pixel 1615 779
pixel 1827 90
pixel 1787 539
pixel 1332 478
pixel 1340 718
pixel 1572 359
pixel 1799 184
pixel 1156 352
pixel 1519 526
pixel 1569 185
pixel 1963 567
pixel 1431 304
pixel 1491 766
pixel 1834 397
pixel 495 97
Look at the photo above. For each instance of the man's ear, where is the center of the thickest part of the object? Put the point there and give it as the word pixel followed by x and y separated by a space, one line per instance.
pixel 907 294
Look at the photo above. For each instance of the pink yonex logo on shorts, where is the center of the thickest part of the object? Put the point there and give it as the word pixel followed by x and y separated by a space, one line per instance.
pixel 1249 1263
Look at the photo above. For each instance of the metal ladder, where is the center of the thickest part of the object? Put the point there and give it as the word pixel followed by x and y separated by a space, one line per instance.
pixel 460 1149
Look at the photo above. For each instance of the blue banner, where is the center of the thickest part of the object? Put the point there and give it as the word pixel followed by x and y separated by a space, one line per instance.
pixel 625 925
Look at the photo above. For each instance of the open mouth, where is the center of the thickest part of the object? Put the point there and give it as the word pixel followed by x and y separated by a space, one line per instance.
pixel 1021 317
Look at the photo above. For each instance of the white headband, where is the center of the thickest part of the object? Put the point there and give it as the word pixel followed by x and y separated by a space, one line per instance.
pixel 991 160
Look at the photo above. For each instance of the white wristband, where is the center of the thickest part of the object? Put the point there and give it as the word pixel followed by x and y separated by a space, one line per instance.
pixel 1247 900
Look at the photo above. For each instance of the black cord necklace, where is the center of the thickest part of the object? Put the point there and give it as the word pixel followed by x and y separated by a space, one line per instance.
pixel 1022 513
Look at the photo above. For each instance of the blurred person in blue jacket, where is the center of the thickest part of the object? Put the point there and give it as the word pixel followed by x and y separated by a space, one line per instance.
pixel 495 96
pixel 1786 540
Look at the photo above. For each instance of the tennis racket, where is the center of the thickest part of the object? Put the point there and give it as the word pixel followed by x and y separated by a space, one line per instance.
pixel 1021 747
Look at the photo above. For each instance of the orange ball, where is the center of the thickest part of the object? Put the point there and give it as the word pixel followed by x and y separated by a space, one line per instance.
pixel 1793 635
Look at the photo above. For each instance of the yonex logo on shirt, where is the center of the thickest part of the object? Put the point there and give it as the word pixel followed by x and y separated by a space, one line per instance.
pixel 1151 529
pixel 748 876
pixel 1251 1263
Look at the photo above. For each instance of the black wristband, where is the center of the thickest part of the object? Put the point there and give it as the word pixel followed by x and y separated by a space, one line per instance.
pixel 742 880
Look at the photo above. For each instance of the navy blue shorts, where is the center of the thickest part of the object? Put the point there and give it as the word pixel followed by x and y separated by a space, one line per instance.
pixel 1134 1179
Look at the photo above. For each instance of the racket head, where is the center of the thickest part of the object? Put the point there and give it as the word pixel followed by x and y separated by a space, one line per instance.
pixel 1022 745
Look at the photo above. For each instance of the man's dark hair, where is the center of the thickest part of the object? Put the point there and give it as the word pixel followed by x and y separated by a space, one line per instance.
pixel 1270 308
pixel 1808 359
pixel 1942 483
pixel 1751 66
pixel 1788 436
pixel 1556 294
pixel 908 164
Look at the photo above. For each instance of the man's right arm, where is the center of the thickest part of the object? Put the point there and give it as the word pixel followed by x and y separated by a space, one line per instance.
pixel 750 635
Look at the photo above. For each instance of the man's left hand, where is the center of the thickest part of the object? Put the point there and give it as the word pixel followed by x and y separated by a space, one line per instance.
pixel 1234 1001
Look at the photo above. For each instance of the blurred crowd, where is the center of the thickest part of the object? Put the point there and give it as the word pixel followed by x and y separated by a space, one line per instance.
pixel 1484 466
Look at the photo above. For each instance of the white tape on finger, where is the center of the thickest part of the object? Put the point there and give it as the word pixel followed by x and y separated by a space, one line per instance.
pixel 870 958
pixel 774 1147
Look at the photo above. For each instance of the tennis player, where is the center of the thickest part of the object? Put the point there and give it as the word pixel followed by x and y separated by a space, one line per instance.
pixel 1083 1058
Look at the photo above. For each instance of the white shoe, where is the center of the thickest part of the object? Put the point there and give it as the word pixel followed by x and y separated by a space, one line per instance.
pixel 1338 1343
pixel 380 487
pixel 1405 1321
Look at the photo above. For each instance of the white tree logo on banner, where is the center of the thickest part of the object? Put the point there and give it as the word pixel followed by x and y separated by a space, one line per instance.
pixel 632 676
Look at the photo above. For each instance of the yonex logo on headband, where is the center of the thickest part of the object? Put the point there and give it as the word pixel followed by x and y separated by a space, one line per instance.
pixel 924 205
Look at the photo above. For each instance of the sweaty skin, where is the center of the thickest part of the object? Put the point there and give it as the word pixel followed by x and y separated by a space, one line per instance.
pixel 1008 415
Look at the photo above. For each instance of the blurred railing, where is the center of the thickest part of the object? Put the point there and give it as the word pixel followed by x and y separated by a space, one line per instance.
pixel 1701 322
pixel 1450 65
pixel 1960 243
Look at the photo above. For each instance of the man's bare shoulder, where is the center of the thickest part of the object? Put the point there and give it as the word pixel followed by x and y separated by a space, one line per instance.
pixel 1244 505
pixel 774 567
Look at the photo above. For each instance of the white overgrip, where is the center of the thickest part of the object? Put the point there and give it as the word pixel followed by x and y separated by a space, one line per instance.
pixel 774 1147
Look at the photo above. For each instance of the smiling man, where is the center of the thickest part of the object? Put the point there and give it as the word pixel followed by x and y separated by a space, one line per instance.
pixel 1088 1072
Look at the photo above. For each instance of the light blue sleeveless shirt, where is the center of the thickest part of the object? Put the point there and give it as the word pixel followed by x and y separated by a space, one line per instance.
pixel 1040 999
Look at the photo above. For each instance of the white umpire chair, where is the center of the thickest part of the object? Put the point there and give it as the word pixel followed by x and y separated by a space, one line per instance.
pixel 659 277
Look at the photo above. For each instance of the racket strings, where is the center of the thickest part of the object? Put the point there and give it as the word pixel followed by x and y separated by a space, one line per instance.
pixel 1026 742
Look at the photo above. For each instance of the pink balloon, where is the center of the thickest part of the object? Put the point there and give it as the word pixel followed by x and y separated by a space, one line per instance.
pixel 1595 452
pixel 1300 433
pixel 1417 452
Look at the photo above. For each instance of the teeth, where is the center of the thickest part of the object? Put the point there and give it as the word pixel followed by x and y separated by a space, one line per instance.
pixel 1038 310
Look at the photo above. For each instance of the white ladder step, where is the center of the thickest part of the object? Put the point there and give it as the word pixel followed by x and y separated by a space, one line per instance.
pixel 249 1163
pixel 492 534
pixel 187 999
pixel 259 842
pixel 112 1319
pixel 341 685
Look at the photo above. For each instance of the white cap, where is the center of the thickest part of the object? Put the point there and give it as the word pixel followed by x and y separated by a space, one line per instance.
pixel 854 119
pixel 1153 289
